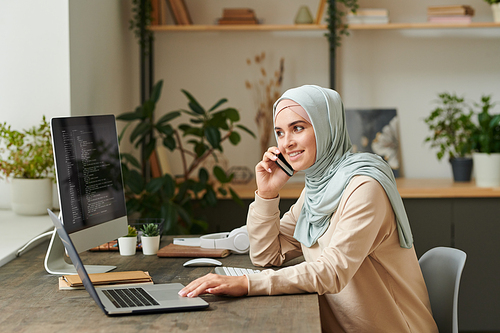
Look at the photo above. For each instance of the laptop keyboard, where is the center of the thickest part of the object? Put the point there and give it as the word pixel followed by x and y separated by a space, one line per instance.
pixel 235 271
pixel 129 297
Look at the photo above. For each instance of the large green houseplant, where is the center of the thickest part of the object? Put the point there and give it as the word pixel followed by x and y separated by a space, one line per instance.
pixel 27 158
pixel 486 145
pixel 451 128
pixel 177 199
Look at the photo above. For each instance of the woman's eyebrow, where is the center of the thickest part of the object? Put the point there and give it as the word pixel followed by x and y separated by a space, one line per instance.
pixel 293 124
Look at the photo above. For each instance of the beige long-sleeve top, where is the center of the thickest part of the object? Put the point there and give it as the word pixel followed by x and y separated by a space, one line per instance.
pixel 367 281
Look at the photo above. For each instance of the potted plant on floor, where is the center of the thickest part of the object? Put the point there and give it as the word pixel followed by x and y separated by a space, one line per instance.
pixel 177 199
pixel 451 129
pixel 486 145
pixel 150 239
pixel 29 161
pixel 128 244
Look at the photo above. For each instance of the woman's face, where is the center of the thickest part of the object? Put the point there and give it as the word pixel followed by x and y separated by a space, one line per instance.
pixel 296 139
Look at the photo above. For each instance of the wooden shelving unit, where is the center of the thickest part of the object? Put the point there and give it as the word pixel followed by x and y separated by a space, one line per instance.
pixel 312 27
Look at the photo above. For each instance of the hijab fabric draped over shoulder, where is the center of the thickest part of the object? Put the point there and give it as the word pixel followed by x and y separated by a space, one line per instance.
pixel 335 166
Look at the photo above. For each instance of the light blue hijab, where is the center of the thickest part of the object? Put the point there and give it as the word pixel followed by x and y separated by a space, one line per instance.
pixel 335 165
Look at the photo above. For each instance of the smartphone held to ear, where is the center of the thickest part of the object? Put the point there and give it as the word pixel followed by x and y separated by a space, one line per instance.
pixel 284 165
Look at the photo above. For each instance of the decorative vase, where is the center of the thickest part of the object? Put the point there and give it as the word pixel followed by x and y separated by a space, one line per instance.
pixel 487 169
pixel 304 16
pixel 150 245
pixel 31 196
pixel 127 245
pixel 462 168
pixel 495 8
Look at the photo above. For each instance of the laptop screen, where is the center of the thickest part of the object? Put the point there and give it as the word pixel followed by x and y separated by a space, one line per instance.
pixel 88 170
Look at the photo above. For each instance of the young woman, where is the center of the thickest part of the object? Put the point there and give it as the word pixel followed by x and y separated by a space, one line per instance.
pixel 349 223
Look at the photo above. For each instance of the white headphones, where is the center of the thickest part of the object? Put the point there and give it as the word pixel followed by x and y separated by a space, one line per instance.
pixel 236 240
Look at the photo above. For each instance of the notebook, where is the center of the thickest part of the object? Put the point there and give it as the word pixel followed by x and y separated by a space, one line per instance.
pixel 116 300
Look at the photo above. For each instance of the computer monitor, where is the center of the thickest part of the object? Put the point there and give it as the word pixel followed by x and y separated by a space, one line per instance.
pixel 90 186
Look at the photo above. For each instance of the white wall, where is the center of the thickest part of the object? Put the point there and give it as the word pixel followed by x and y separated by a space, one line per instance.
pixel 34 61
pixel 405 69
pixel 61 58
pixel 34 65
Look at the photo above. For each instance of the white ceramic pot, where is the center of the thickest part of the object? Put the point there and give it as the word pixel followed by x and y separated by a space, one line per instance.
pixel 127 245
pixel 150 245
pixel 31 196
pixel 495 8
pixel 487 169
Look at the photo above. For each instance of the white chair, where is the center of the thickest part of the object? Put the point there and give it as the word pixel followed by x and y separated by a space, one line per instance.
pixel 442 268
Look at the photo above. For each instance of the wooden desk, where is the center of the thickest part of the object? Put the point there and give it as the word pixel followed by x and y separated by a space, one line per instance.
pixel 31 302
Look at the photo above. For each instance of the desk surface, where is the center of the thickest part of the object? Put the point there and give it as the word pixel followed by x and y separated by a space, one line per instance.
pixel 30 301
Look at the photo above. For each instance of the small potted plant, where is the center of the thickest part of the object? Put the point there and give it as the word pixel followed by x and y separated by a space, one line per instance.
pixel 451 130
pixel 128 244
pixel 495 8
pixel 28 159
pixel 150 239
pixel 486 145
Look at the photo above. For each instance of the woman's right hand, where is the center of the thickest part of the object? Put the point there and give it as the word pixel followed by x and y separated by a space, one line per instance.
pixel 269 176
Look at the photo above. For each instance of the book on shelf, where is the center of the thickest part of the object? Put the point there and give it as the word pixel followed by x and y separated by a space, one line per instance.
pixel 450 10
pixel 237 16
pixel 368 16
pixel 321 9
pixel 450 19
pixel 179 12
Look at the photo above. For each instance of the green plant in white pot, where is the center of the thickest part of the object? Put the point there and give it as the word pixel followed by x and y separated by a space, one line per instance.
pixel 128 244
pixel 27 158
pixel 495 9
pixel 486 145
pixel 451 129
pixel 150 239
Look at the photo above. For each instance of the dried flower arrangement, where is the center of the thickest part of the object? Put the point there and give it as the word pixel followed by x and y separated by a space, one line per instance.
pixel 266 90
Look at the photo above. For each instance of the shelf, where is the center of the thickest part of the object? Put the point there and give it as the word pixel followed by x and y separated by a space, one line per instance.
pixel 242 27
pixel 312 27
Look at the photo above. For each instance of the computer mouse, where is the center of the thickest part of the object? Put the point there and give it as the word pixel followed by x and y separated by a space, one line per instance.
pixel 202 262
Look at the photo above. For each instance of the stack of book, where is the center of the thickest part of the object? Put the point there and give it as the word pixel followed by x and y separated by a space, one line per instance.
pixel 179 12
pixel 368 16
pixel 450 14
pixel 238 16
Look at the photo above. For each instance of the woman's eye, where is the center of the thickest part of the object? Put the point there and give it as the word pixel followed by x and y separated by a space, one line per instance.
pixel 279 133
pixel 298 128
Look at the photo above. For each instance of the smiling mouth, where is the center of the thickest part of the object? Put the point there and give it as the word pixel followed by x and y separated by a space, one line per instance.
pixel 295 153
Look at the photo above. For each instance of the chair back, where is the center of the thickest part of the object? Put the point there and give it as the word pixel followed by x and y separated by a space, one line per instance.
pixel 442 268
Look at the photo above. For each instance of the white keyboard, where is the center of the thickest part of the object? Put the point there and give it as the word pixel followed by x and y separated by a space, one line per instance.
pixel 235 271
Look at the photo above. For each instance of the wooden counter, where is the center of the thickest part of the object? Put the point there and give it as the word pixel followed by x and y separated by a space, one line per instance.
pixel 408 188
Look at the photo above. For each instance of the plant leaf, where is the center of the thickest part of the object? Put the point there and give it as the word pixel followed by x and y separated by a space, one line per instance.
pixel 193 103
pixel 155 94
pixel 155 184
pixel 234 138
pixel 219 103
pixel 236 197
pixel 168 117
pixel 246 130
pixel 213 136
pixel 220 174
pixel 131 159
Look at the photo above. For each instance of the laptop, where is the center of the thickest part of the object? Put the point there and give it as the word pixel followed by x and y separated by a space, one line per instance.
pixel 115 300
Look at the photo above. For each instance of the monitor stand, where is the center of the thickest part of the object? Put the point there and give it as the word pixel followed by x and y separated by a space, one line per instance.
pixel 55 263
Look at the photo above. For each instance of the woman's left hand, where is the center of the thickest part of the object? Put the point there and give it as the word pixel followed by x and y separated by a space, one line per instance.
pixel 217 285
